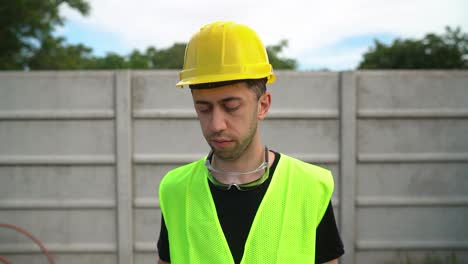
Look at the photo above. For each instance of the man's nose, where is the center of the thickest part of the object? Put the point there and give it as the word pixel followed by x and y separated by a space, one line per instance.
pixel 218 120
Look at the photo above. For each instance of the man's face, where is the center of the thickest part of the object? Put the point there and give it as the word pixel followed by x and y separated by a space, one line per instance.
pixel 228 117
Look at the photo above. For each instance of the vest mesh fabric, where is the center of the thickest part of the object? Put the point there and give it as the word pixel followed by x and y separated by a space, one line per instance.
pixel 283 230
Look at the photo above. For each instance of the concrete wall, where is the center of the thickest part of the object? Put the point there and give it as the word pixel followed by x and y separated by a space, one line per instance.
pixel 82 154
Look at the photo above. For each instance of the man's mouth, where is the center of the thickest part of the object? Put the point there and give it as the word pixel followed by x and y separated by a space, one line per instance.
pixel 221 142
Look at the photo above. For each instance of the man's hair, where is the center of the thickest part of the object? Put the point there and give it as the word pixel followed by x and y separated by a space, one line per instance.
pixel 258 86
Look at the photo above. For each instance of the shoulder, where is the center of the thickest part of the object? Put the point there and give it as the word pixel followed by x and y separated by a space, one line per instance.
pixel 313 182
pixel 180 174
pixel 307 171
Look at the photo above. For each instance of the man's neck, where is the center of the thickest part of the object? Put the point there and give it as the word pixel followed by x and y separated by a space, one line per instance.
pixel 250 160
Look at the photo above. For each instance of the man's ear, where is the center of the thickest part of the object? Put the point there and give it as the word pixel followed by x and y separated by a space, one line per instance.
pixel 264 104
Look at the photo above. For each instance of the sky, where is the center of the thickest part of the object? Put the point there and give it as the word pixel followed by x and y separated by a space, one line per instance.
pixel 327 34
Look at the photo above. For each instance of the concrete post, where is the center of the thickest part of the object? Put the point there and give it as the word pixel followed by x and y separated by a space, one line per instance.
pixel 348 96
pixel 123 153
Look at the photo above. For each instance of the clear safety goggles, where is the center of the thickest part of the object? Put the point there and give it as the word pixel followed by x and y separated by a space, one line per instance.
pixel 240 186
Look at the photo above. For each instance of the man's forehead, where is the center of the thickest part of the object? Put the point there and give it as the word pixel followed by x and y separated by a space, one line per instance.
pixel 214 84
pixel 239 89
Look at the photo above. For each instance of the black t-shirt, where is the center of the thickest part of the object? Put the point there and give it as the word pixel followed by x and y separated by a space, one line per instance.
pixel 236 211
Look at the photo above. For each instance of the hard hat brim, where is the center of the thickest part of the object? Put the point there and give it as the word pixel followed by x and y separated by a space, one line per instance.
pixel 219 78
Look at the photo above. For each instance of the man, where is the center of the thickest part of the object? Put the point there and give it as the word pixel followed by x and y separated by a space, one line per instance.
pixel 243 203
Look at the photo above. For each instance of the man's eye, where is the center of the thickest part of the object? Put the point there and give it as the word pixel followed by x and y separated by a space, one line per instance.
pixel 231 107
pixel 203 109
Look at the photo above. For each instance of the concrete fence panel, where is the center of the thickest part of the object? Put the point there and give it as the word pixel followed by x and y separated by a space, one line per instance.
pixel 82 155
pixel 412 166
pixel 57 175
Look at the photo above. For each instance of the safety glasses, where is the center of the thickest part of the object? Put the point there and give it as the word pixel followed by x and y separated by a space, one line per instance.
pixel 241 187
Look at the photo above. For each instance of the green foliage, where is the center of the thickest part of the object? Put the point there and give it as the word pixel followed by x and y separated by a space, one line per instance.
pixel 26 28
pixel 26 24
pixel 110 61
pixel 138 60
pixel 275 60
pixel 171 58
pixel 447 51
pixel 54 55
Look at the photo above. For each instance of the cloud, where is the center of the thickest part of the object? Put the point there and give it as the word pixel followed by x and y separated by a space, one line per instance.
pixel 307 25
pixel 339 61
pixel 342 55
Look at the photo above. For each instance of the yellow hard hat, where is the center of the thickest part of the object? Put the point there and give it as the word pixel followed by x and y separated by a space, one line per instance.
pixel 225 51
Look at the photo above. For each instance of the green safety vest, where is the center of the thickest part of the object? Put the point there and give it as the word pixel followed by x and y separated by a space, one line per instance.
pixel 284 227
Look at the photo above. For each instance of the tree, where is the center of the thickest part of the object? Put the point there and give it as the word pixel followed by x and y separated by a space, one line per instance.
pixel 138 60
pixel 275 60
pixel 173 58
pixel 55 55
pixel 26 24
pixel 26 42
pixel 447 51
pixel 170 58
pixel 110 61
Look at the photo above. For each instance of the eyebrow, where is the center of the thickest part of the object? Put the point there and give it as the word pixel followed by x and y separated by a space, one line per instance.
pixel 224 100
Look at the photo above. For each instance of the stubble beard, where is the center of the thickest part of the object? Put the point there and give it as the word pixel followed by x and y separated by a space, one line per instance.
pixel 239 146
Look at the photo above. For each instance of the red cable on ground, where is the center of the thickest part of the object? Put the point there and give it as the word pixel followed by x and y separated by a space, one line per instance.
pixel 26 233
pixel 4 260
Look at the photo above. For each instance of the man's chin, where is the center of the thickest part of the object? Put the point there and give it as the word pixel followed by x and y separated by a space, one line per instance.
pixel 224 153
